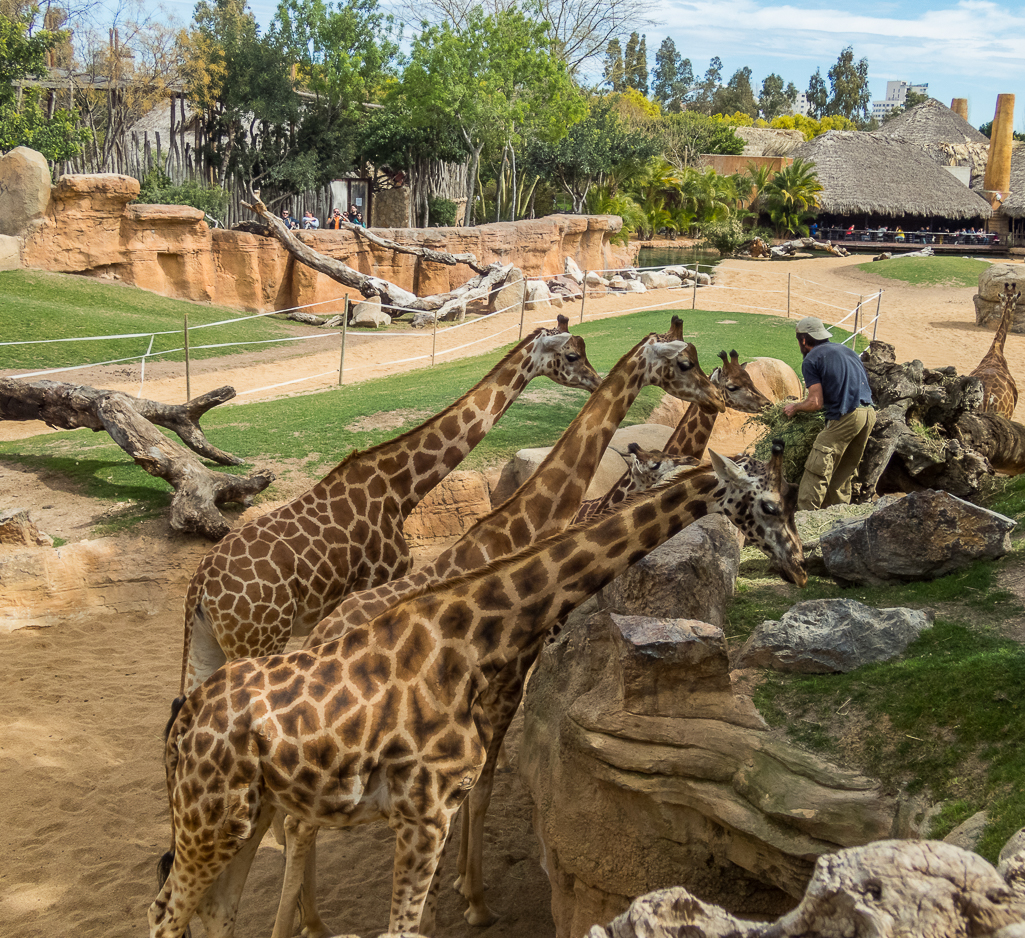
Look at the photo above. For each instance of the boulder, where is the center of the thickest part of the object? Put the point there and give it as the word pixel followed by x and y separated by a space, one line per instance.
pixel 626 286
pixel 573 270
pixel 509 294
pixel 968 833
pixel 630 273
pixel 538 293
pixel 24 190
pixel 987 300
pixel 566 287
pixel 368 314
pixel 10 252
pixel 17 528
pixel 450 509
pixel 656 279
pixel 634 737
pixel 693 575
pixel 922 536
pixel 774 378
pixel 824 636
pixel 596 280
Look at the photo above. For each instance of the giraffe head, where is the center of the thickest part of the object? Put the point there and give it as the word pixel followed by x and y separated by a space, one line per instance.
pixel 758 500
pixel 736 386
pixel 649 468
pixel 562 357
pixel 673 366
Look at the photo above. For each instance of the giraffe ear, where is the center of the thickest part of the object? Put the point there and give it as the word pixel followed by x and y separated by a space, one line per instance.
pixel 726 470
pixel 716 375
pixel 552 342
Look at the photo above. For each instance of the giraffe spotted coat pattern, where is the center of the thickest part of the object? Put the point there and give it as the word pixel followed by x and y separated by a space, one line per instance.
pixel 999 392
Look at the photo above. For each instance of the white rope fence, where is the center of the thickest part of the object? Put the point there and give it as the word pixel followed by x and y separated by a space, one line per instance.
pixel 594 283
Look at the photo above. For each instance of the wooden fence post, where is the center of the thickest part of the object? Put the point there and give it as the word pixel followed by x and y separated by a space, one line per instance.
pixel 345 330
pixel 583 295
pixel 188 377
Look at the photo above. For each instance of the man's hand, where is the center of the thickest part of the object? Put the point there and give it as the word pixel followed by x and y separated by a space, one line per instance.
pixel 809 405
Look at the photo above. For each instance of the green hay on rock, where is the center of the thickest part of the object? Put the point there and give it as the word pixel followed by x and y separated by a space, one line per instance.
pixel 797 433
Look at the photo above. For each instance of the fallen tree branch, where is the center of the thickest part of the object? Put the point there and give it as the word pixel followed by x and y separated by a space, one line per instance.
pixel 428 254
pixel 71 406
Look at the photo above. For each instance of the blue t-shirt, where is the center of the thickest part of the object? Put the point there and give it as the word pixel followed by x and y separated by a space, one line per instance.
pixel 842 376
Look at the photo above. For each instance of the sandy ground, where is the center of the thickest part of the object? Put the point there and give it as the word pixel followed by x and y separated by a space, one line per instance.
pixel 82 798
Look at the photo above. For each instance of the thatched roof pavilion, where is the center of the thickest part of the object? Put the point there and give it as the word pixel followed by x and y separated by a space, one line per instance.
pixel 874 175
pixel 1014 201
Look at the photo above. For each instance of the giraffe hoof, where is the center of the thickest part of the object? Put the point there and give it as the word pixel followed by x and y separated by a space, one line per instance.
pixel 480 916
pixel 457 885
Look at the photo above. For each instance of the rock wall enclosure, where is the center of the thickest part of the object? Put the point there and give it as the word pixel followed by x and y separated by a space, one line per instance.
pixel 89 224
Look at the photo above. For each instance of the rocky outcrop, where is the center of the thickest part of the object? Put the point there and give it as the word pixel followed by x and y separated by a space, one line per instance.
pixel 691 576
pixel 85 224
pixel 24 190
pixel 825 636
pixel 890 889
pixel 17 528
pixel 450 509
pixel 633 737
pixel 922 536
pixel 369 315
pixel 987 300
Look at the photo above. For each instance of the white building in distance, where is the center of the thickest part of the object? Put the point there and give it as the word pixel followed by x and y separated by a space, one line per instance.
pixel 896 95
pixel 800 105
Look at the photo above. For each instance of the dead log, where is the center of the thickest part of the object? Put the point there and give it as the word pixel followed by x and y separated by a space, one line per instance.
pixel 1000 440
pixel 892 887
pixel 197 490
pixel 71 406
pixel 790 248
pixel 445 305
pixel 130 423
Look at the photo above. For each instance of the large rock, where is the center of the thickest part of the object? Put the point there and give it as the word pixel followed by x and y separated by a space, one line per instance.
pixel 987 300
pixel 10 252
pixel 623 285
pixel 17 528
pixel 24 190
pixel 922 536
pixel 692 575
pixel 449 510
pixel 647 771
pixel 572 270
pixel 656 279
pixel 566 287
pixel 823 636
pixel 774 378
pixel 538 293
pixel 509 295
pixel 369 315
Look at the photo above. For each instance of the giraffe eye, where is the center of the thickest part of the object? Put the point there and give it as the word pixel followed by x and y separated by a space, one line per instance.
pixel 770 508
pixel 684 365
pixel 572 357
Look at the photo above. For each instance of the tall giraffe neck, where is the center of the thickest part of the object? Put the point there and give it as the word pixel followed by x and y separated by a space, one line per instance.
pixel 692 433
pixel 502 608
pixel 996 350
pixel 416 461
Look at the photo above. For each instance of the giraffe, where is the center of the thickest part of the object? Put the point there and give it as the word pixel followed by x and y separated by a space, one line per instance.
pixel 545 503
pixel 694 429
pixel 283 572
pixel 758 500
pixel 999 392
pixel 385 722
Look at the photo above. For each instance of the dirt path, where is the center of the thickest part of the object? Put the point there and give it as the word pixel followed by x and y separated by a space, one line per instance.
pixel 82 797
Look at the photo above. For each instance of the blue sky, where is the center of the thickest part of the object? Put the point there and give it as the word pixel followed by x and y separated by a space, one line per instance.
pixel 972 49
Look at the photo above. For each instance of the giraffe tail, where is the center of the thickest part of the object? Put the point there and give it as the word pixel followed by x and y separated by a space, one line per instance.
pixel 176 706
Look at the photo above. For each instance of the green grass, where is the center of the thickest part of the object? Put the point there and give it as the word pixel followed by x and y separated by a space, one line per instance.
pixel 35 305
pixel 947 717
pixel 929 271
pixel 310 433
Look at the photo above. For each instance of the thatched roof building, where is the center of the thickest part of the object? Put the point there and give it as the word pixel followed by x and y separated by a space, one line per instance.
pixel 944 135
pixel 1014 201
pixel 875 175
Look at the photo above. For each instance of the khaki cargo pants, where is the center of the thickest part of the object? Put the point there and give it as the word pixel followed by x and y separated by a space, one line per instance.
pixel 834 459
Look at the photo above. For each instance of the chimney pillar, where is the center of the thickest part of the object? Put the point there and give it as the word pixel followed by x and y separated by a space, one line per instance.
pixel 960 106
pixel 998 164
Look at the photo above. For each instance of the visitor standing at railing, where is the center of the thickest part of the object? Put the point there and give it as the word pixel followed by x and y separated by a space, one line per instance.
pixel 837 383
pixel 335 221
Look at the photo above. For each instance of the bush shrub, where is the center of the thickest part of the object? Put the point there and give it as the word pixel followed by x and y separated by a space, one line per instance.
pixel 157 189
pixel 441 213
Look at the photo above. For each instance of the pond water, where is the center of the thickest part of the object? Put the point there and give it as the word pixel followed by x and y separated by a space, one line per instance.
pixel 668 256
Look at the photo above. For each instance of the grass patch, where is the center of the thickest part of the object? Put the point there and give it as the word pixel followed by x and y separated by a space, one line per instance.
pixel 312 432
pixel 938 271
pixel 36 305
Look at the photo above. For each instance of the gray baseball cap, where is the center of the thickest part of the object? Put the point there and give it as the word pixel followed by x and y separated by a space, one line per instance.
pixel 813 326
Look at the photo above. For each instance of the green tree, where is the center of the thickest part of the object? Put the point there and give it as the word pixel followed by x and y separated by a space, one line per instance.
pixel 736 95
pixel 987 129
pixel 849 94
pixel 818 95
pixel 635 63
pixel 672 77
pixel 705 90
pixel 686 135
pixel 24 51
pixel 614 73
pixel 776 99
pixel 791 197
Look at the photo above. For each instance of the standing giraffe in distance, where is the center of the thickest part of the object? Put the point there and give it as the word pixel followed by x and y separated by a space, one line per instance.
pixel 546 503
pixel 385 722
pixel 999 392
pixel 281 573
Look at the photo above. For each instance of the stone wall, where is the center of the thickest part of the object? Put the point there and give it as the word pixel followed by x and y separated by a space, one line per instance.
pixel 89 224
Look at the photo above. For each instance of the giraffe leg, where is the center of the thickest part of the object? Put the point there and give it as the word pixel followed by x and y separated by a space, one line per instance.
pixel 218 909
pixel 300 882
pixel 475 808
pixel 418 848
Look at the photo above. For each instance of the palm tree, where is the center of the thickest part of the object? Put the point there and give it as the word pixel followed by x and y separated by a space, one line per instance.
pixel 792 196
